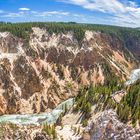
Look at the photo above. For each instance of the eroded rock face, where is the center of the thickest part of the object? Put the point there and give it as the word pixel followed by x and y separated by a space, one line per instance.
pixel 3 105
pixel 26 78
pixel 38 76
pixel 41 136
pixel 8 43
pixel 15 132
pixel 107 126
pixel 133 44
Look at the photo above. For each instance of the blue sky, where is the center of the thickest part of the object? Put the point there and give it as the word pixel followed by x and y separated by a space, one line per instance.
pixel 111 12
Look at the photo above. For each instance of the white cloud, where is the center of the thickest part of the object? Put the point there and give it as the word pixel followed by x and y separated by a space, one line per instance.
pixel 132 4
pixel 123 13
pixel 99 5
pixel 50 13
pixel 115 12
pixel 24 9
pixel 13 15
pixel 35 14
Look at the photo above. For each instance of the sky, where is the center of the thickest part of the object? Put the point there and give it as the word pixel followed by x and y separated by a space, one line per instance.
pixel 111 12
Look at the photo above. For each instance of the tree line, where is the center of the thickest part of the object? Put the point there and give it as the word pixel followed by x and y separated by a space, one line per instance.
pixel 22 30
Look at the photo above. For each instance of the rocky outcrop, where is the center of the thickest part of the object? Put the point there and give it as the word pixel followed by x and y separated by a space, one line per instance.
pixel 41 136
pixel 107 126
pixel 9 43
pixel 16 132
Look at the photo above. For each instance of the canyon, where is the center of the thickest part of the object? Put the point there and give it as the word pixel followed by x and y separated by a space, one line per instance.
pixel 41 77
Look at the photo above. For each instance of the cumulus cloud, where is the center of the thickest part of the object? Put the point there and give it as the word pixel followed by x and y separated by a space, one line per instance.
pixel 24 9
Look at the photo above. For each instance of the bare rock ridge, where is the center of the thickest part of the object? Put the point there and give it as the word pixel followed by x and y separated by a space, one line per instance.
pixel 38 76
pixel 107 126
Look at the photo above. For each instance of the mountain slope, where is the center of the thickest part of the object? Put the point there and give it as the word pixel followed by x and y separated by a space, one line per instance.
pixel 42 66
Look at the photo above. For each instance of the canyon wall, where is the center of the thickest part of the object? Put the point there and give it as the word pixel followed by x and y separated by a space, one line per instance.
pixel 38 75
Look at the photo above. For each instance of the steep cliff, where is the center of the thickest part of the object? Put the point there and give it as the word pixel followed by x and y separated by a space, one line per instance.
pixel 38 75
pixel 43 64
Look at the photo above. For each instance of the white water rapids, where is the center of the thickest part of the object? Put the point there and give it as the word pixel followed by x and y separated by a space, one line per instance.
pixel 134 76
pixel 50 118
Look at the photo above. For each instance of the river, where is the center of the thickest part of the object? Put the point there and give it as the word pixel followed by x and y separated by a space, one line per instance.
pixel 37 119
